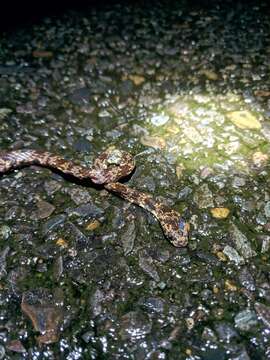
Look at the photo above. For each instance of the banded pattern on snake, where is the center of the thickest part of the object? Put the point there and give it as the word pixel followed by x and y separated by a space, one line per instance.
pixel 108 168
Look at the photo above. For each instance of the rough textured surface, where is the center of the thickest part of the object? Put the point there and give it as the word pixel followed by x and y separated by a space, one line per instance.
pixel 157 80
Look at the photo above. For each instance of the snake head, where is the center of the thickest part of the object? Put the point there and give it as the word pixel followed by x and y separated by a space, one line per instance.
pixel 175 228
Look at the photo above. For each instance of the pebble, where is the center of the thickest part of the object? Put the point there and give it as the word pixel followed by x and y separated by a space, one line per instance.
pixel 203 197
pixel 184 193
pixel 192 134
pixel 210 75
pixel 259 159
pixel 80 196
pixel 146 264
pixel 52 186
pixel 247 280
pixel 92 225
pixel 4 112
pixel 265 243
pixel 42 54
pixel 85 210
pixel 45 315
pixel 83 146
pixel 245 320
pixel 159 120
pixel 137 79
pixel 153 305
pixel 267 209
pixel 44 210
pixel 244 120
pixel 5 232
pixel 220 213
pixel 225 332
pixel 178 110
pixel 80 96
pixel 53 223
pixel 128 237
pixel 16 346
pixel 233 255
pixel 2 352
pixel 238 182
pixel 241 242
pixel 134 326
pixel 263 312
pixel 155 142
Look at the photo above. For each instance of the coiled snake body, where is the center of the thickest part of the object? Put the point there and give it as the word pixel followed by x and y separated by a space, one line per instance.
pixel 109 167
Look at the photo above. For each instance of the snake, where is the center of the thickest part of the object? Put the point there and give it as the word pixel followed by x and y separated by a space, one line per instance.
pixel 107 170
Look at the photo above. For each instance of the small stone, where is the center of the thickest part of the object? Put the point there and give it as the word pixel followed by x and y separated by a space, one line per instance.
pixel 220 213
pixel 96 302
pixel 155 142
pixel 221 256
pixel 184 193
pixel 128 238
pixel 267 209
pixel 159 120
pixel 80 96
pixel 230 286
pixel 88 336
pixel 225 332
pixel 93 225
pixel 179 171
pixel 80 196
pixel 204 197
pixel 148 267
pixel 245 320
pixel 137 79
pixel 259 159
pixel 85 210
pixel 265 243
pixel 209 74
pixel 192 134
pixel 83 146
pixel 244 120
pixel 246 279
pixel 263 312
pixel 45 315
pixel 178 110
pixel 52 186
pixel 241 242
pixel 62 243
pixel 42 54
pixel 53 223
pixel 4 112
pixel 16 346
pixel 190 323
pixel 262 93
pixel 233 255
pixel 2 352
pixel 154 304
pixel 44 210
pixel 135 325
pixel 5 232
pixel 238 182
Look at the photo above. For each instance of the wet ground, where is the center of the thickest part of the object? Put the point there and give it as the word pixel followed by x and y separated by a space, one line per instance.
pixel 86 275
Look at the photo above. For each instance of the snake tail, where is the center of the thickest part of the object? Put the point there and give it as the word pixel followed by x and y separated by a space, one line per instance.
pixel 18 158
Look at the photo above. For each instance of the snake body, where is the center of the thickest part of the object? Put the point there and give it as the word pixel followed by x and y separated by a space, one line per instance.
pixel 108 168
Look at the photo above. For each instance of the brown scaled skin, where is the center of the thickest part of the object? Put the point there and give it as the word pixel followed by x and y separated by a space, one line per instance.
pixel 174 227
pixel 109 167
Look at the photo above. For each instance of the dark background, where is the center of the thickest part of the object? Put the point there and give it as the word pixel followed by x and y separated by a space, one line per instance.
pixel 14 14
